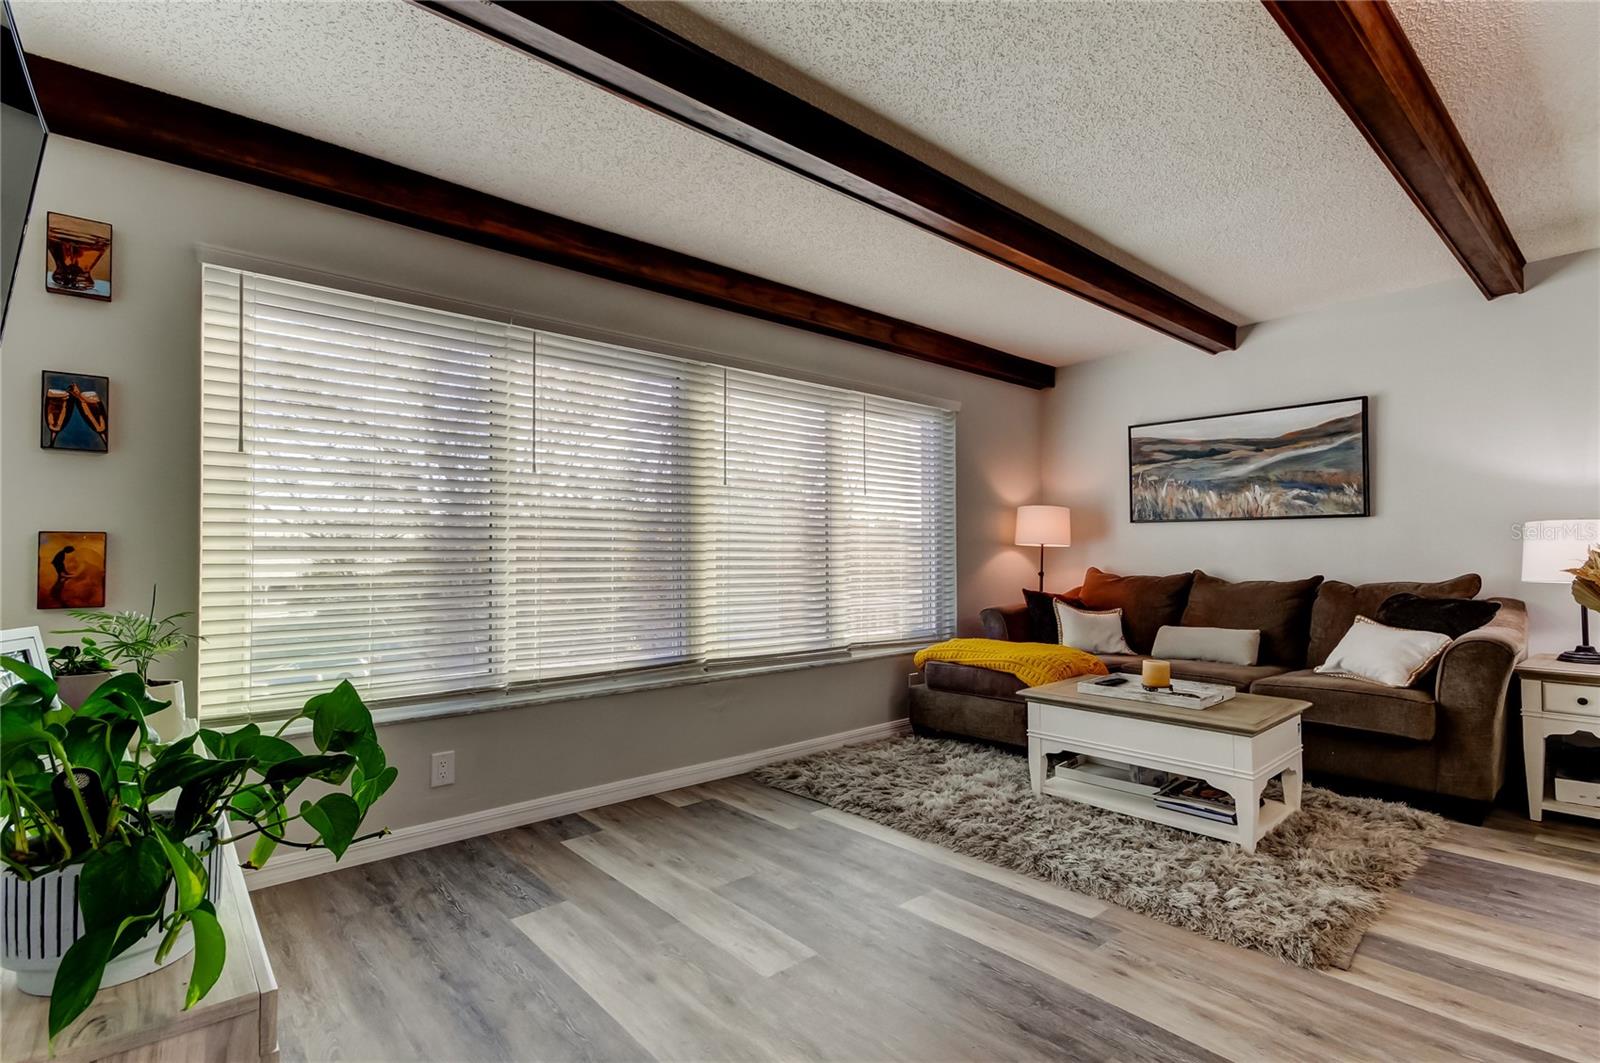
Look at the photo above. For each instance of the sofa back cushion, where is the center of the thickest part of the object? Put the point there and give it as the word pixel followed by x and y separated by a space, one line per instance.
pixel 1280 610
pixel 1147 602
pixel 1338 605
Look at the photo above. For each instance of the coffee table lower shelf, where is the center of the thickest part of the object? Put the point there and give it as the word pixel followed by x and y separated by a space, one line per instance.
pixel 1271 813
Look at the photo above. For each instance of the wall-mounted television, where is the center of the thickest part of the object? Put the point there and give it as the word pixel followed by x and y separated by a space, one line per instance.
pixel 22 136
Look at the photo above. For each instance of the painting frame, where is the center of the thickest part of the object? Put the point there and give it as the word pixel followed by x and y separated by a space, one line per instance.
pixel 62 273
pixel 1362 412
pixel 76 409
pixel 55 573
pixel 17 642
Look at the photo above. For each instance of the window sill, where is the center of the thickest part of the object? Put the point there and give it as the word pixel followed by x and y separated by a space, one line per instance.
pixel 582 690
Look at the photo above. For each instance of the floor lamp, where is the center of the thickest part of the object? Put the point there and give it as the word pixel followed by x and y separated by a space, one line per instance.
pixel 1044 526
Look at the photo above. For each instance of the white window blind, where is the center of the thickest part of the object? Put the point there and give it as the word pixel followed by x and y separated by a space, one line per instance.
pixel 429 503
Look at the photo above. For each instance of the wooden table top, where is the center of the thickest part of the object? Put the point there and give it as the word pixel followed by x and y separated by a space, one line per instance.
pixel 1242 714
pixel 1545 666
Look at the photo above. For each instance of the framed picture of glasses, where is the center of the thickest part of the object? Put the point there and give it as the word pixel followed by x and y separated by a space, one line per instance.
pixel 75 412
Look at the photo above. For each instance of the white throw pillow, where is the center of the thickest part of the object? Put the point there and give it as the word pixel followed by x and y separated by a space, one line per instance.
pixel 1392 656
pixel 1225 645
pixel 1091 632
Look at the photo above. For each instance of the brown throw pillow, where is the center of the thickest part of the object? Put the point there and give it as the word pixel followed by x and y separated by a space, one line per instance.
pixel 1280 610
pixel 1147 602
pixel 1338 605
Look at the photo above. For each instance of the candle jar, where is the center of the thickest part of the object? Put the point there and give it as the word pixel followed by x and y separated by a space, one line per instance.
pixel 1156 675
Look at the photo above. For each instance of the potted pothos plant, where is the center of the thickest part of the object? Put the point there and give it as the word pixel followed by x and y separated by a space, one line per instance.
pixel 95 808
pixel 78 670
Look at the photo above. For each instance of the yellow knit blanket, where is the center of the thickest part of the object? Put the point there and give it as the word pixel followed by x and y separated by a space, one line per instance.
pixel 1035 663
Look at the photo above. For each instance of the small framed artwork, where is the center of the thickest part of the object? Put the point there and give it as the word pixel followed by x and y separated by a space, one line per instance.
pixel 77 256
pixel 1308 460
pixel 72 570
pixel 75 412
pixel 23 644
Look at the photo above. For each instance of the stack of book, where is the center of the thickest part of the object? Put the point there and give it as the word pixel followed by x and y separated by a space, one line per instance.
pixel 1196 797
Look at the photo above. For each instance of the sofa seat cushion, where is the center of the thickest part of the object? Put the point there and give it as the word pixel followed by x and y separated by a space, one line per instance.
pixel 1236 675
pixel 970 679
pixel 1338 605
pixel 1279 609
pixel 1355 704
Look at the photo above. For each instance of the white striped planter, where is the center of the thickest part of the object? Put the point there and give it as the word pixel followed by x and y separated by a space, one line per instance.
pixel 40 919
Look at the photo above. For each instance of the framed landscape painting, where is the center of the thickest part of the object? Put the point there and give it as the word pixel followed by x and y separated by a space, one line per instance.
pixel 1287 461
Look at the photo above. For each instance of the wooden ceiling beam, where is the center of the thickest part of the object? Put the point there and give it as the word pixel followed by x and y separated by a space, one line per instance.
pixel 1360 51
pixel 626 53
pixel 117 114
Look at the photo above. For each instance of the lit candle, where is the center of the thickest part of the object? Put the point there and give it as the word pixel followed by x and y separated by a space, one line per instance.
pixel 1157 674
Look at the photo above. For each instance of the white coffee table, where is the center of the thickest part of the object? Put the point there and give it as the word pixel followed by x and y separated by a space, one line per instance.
pixel 1238 746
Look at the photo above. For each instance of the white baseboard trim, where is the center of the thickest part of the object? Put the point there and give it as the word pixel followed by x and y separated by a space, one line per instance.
pixel 287 866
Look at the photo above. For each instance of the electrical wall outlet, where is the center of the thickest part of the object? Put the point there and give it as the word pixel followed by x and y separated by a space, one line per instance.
pixel 444 769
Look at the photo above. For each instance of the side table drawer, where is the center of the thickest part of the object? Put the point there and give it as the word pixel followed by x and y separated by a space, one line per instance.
pixel 1572 698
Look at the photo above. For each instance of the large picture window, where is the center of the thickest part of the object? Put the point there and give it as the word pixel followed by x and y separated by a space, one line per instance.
pixel 430 503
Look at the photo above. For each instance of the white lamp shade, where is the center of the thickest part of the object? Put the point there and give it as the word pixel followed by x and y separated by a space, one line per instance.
pixel 1550 547
pixel 1044 526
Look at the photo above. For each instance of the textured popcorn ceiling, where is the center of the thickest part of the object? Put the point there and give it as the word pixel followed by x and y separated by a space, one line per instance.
pixel 1193 136
pixel 1187 140
pixel 1522 81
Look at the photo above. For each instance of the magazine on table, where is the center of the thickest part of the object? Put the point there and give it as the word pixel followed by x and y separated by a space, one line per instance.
pixel 1197 797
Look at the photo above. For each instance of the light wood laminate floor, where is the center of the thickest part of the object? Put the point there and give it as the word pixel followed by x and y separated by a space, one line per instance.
pixel 735 922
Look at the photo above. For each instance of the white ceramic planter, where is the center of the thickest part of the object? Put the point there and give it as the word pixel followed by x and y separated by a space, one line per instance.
pixel 172 722
pixel 40 919
pixel 74 690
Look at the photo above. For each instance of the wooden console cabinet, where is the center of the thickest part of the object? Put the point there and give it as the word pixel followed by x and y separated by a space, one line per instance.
pixel 143 1021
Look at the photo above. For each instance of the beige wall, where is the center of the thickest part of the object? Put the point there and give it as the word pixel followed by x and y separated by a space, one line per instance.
pixel 145 492
pixel 1483 415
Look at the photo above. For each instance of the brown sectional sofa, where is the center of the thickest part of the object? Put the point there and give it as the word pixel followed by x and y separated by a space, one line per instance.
pixel 1445 735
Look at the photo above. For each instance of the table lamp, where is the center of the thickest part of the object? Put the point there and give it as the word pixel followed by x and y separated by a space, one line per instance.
pixel 1549 549
pixel 1044 526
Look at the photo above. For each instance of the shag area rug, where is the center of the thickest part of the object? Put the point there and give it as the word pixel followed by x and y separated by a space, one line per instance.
pixel 1307 894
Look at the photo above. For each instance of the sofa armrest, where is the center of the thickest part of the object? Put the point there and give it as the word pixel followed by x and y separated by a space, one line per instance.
pixel 1009 623
pixel 1475 673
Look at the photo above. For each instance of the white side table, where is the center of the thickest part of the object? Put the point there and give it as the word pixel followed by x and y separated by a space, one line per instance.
pixel 1558 698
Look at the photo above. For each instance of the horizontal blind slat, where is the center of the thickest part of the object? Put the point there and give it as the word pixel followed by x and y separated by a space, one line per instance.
pixel 430 503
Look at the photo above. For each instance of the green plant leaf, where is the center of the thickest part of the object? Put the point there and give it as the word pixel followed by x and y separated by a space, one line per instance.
pixel 329 767
pixel 32 678
pixel 250 800
pixel 336 818
pixel 261 851
pixel 187 870
pixel 78 978
pixel 369 754
pixel 170 938
pixel 371 789
pixel 210 953
pixel 266 750
pixel 339 718
pixel 181 771
pixel 119 880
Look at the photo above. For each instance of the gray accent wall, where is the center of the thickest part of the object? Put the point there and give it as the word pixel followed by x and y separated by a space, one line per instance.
pixel 1483 415
pixel 145 492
